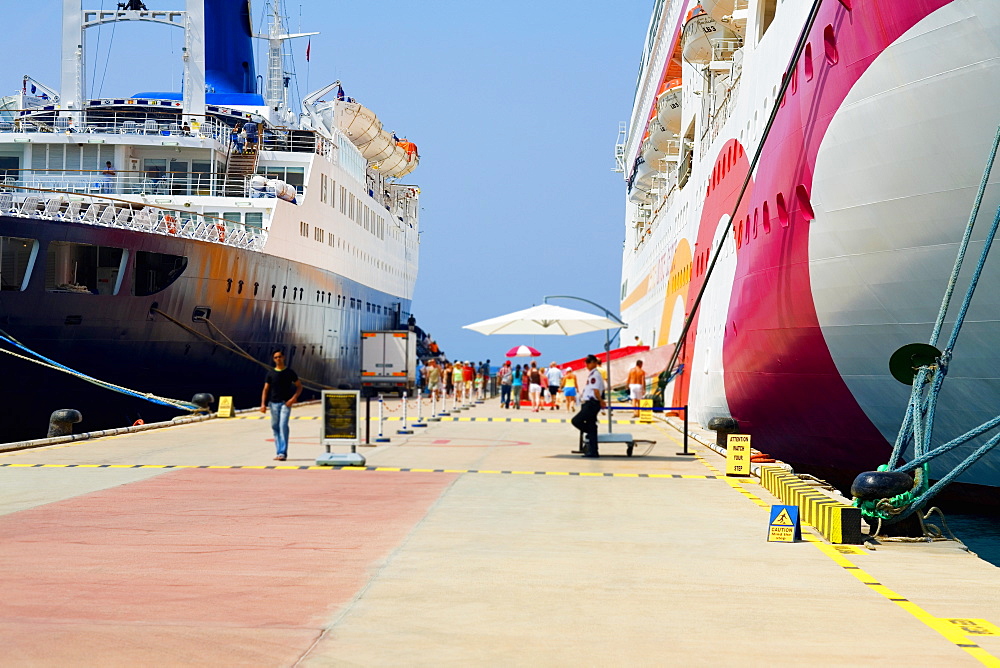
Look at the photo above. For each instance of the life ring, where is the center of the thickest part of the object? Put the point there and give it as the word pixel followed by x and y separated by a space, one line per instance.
pixel 171 224
pixel 220 228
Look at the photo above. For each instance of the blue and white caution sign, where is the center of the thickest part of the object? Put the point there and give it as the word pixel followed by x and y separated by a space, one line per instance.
pixel 784 526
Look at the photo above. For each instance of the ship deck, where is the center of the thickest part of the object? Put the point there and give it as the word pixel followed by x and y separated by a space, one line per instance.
pixel 472 541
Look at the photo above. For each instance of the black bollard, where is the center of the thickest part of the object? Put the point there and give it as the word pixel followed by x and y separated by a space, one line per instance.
pixel 723 426
pixel 203 401
pixel 61 422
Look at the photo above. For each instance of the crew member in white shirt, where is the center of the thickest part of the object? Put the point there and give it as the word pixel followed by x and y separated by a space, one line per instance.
pixel 591 403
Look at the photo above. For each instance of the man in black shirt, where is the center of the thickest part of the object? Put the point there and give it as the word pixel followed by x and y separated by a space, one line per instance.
pixel 281 389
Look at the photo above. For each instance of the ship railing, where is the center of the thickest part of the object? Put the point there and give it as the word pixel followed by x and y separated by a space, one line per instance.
pixel 134 124
pixel 105 211
pixel 123 182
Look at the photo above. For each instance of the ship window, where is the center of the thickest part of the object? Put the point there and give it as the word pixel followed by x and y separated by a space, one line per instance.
pixel 779 202
pixel 765 15
pixel 805 206
pixel 83 268
pixel 846 4
pixel 17 255
pixel 155 271
pixel 766 218
pixel 254 219
pixel 807 62
pixel 830 45
pixel 232 216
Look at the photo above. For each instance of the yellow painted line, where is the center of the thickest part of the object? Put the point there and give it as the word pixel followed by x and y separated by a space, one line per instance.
pixel 950 631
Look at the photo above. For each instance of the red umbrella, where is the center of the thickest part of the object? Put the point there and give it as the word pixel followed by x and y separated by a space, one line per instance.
pixel 523 351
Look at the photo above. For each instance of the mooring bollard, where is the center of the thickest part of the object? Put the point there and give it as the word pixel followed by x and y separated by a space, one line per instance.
pixel 380 439
pixel 404 430
pixel 61 422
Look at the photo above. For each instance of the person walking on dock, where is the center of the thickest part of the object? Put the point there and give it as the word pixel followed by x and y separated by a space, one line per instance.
pixel 591 402
pixel 282 388
pixel 505 376
pixel 636 385
pixel 554 376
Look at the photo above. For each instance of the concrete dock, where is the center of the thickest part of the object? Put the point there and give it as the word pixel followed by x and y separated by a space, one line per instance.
pixel 478 540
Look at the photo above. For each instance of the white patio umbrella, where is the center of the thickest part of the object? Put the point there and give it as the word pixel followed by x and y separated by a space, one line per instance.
pixel 551 319
pixel 544 319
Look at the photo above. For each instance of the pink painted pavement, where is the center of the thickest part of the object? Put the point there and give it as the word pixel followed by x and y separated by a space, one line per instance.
pixel 224 567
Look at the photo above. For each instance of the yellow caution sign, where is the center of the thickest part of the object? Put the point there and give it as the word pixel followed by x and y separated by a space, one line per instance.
pixel 645 415
pixel 738 454
pixel 784 525
pixel 225 407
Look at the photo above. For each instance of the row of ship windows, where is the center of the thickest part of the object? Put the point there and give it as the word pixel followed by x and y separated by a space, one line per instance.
pixel 321 235
pixel 351 206
pixel 322 296
pixel 747 229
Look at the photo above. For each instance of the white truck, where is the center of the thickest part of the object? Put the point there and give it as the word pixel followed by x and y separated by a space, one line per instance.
pixel 388 362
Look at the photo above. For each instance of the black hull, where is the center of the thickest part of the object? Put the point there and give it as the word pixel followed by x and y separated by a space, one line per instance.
pixel 316 316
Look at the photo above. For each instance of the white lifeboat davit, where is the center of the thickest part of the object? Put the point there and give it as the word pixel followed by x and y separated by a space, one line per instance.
pixel 356 121
pixel 701 33
pixel 668 107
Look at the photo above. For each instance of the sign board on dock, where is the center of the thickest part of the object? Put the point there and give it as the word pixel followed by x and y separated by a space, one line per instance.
pixel 341 418
pixel 225 407
pixel 738 454
pixel 645 412
pixel 784 526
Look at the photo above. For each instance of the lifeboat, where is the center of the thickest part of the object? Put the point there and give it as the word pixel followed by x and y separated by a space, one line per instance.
pixel 403 160
pixel 654 156
pixel 720 9
pixel 412 156
pixel 659 136
pixel 379 148
pixel 701 34
pixel 668 107
pixel 641 189
pixel 358 122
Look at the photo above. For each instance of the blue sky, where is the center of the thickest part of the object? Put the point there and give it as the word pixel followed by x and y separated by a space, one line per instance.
pixel 515 107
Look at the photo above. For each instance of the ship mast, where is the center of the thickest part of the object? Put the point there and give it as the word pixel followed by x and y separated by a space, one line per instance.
pixel 277 90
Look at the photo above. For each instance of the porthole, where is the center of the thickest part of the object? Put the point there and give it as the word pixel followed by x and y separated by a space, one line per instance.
pixel 779 203
pixel 805 206
pixel 830 45
pixel 766 218
pixel 807 62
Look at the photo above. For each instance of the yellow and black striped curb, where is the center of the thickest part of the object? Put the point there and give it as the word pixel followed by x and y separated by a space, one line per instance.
pixel 957 631
pixel 412 419
pixel 838 522
pixel 392 469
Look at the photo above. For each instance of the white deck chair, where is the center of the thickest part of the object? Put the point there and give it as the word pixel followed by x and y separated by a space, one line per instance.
pixel 29 207
pixel 90 215
pixel 61 124
pixel 121 220
pixel 130 128
pixel 108 215
pixel 72 212
pixel 52 206
pixel 6 202
pixel 151 127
